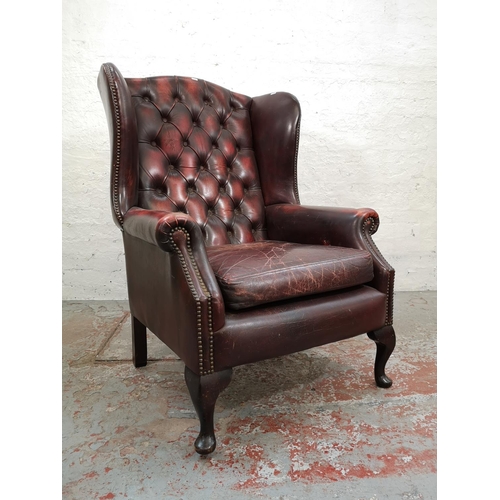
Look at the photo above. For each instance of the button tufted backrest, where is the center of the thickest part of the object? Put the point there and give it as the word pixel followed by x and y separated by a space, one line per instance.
pixel 196 156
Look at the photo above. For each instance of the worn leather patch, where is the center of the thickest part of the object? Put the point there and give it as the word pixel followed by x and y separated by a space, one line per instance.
pixel 267 271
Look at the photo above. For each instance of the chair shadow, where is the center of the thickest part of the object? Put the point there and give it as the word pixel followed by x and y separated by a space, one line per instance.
pixel 260 381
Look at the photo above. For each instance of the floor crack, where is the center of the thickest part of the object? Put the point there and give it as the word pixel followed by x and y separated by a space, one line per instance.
pixel 107 341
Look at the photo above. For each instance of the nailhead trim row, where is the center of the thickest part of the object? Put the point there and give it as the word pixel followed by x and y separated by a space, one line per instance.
pixel 367 232
pixel 295 182
pixel 199 335
pixel 374 223
pixel 116 163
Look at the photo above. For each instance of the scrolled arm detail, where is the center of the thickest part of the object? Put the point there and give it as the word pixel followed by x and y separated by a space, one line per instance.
pixel 371 223
pixel 158 227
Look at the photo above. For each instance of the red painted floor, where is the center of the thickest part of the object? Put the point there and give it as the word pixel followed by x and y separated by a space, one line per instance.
pixel 309 425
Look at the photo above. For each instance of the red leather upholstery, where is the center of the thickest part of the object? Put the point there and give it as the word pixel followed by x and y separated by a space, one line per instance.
pixel 285 327
pixel 196 156
pixel 258 273
pixel 223 263
pixel 188 158
pixel 122 126
pixel 277 145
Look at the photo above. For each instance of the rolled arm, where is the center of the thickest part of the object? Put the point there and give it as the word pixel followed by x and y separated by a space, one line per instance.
pixel 345 227
pixel 321 225
pixel 180 237
pixel 178 233
pixel 159 228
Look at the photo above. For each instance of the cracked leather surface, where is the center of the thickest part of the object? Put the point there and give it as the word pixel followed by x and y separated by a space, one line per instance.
pixel 268 271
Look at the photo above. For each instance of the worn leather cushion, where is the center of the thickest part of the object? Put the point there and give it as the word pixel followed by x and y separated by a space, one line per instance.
pixel 257 273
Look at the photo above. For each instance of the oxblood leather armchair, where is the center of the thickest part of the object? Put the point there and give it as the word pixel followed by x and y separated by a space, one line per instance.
pixel 223 263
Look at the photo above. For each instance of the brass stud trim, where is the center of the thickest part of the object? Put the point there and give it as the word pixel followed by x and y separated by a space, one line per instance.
pixel 367 232
pixel 199 333
pixel 116 163
pixel 295 182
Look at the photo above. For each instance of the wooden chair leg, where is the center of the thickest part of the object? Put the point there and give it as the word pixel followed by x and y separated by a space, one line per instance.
pixel 385 338
pixel 139 344
pixel 204 391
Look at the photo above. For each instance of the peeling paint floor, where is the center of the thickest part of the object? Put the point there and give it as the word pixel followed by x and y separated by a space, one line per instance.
pixel 310 425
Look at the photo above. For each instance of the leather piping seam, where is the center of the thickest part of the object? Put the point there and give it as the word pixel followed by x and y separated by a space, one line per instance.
pixel 373 247
pixel 199 334
pixel 116 164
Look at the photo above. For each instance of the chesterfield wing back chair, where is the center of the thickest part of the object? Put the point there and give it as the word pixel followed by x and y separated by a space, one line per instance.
pixel 223 263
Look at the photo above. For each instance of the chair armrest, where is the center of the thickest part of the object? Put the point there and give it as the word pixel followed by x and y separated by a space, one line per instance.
pixel 159 228
pixel 320 225
pixel 345 227
pixel 179 235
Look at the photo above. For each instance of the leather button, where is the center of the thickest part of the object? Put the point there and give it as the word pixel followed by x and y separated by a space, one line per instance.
pixel 202 167
pixel 165 120
pixel 170 167
pixel 245 190
pixel 146 99
pixel 190 190
pixel 230 233
pixel 237 211
pixel 222 190
pixel 153 143
pixel 210 212
pixel 185 143
pixel 214 145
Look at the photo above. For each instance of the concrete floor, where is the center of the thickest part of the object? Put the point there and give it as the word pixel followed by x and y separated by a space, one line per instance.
pixel 306 426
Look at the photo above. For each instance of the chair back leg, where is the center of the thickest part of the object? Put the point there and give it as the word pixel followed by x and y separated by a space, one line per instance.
pixel 139 344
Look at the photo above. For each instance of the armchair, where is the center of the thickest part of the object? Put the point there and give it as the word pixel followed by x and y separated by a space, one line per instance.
pixel 223 263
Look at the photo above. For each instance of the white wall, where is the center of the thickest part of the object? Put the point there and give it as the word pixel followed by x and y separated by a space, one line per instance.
pixel 364 72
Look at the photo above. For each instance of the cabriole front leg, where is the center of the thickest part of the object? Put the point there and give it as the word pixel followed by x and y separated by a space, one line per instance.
pixel 204 390
pixel 385 338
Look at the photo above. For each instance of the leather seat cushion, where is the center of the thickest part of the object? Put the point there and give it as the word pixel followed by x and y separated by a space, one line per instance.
pixel 268 271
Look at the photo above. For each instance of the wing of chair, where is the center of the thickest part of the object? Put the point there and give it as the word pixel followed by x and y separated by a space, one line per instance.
pixel 223 263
